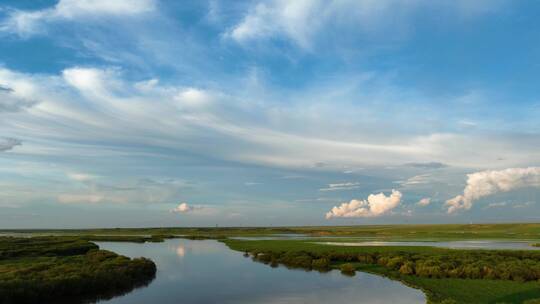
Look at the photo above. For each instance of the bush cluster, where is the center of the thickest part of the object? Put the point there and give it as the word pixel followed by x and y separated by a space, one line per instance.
pixel 47 270
pixel 467 264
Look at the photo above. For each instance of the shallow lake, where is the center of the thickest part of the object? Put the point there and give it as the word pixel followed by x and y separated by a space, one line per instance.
pixel 209 272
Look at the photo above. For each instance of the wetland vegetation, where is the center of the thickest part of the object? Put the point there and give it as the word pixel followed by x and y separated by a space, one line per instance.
pixel 65 269
pixel 445 275
pixel 69 265
pixel 521 231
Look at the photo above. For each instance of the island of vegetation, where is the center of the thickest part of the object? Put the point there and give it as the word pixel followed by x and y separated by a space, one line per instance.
pixel 65 270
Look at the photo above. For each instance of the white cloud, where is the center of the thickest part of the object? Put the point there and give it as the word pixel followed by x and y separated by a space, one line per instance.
pixel 193 97
pixel 25 23
pixel 183 208
pixel 78 8
pixel 268 19
pixel 10 102
pixel 424 202
pixel 524 205
pixel 486 183
pixel 375 205
pixel 300 21
pixel 196 209
pixel 341 186
pixel 113 116
pixel 416 180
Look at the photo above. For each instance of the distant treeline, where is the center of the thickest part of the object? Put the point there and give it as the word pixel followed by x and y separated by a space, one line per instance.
pixel 65 270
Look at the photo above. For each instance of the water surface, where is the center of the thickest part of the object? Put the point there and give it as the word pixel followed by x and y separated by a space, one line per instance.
pixel 209 272
pixel 473 244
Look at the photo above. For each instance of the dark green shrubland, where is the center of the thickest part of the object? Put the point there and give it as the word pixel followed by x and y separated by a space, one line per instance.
pixel 49 269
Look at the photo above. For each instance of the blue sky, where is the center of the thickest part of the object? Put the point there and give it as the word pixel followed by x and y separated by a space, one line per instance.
pixel 114 113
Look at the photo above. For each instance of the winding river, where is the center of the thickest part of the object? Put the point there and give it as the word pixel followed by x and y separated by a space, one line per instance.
pixel 209 272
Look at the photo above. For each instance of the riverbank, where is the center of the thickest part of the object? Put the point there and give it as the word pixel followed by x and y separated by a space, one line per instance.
pixel 445 275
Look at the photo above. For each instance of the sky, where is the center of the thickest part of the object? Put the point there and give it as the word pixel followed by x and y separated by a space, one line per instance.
pixel 149 113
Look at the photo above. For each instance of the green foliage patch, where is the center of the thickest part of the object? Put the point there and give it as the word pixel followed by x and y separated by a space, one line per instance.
pixel 445 275
pixel 58 269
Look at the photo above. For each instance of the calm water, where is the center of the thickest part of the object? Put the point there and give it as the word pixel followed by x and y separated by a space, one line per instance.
pixel 209 272
pixel 477 244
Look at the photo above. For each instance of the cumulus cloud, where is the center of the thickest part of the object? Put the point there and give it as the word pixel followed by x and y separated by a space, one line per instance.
pixel 341 186
pixel 486 183
pixel 375 205
pixel 424 202
pixel 7 144
pixel 25 23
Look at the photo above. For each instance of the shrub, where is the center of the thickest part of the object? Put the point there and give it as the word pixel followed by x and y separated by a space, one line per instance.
pixel 322 263
pixel 347 269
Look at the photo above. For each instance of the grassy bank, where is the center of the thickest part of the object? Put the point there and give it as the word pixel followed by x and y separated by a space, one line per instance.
pixel 524 231
pixel 65 270
pixel 460 276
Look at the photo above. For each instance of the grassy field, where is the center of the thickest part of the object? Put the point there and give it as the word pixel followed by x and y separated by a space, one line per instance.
pixel 65 269
pixel 438 288
pixel 521 231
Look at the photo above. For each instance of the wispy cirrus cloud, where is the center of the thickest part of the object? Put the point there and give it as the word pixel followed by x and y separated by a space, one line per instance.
pixel 302 21
pixel 12 101
pixel 27 23
pixel 341 186
pixel 115 114
pixel 427 165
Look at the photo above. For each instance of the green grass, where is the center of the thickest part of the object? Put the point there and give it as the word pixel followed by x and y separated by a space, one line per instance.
pixel 66 269
pixel 464 290
pixel 521 231
pixel 437 290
